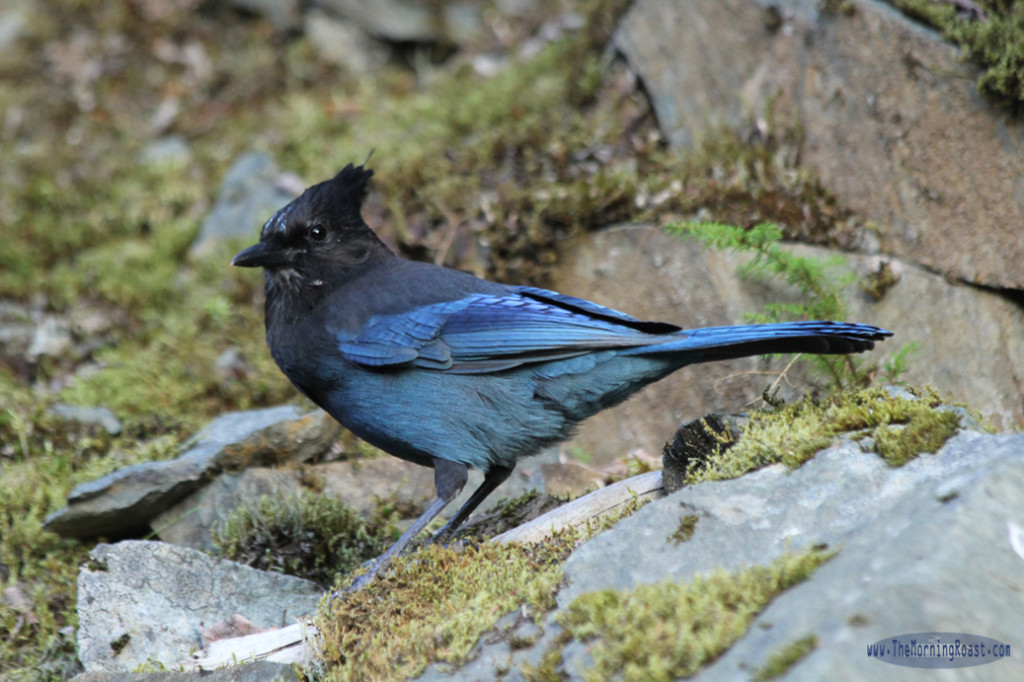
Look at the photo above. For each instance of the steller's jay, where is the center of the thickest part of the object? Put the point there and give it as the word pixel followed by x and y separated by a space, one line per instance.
pixel 450 371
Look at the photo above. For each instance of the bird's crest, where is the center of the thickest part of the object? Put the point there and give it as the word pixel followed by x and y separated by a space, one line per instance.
pixel 347 191
pixel 341 198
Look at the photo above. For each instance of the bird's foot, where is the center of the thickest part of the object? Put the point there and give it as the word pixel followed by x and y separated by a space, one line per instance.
pixel 457 544
pixel 376 568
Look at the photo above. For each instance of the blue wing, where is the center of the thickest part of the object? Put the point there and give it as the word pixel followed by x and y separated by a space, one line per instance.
pixel 486 333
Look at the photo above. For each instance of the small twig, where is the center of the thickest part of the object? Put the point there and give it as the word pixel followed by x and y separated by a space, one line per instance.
pixel 453 231
pixel 782 375
pixel 747 373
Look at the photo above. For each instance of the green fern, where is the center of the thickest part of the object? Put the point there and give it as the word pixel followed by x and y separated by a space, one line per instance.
pixel 819 282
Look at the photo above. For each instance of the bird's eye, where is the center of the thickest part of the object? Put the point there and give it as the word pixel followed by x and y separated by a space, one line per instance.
pixel 317 233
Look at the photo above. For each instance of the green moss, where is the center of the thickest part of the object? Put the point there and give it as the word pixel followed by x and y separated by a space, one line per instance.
pixel 995 41
pixel 818 281
pixel 670 630
pixel 858 620
pixel 42 565
pixel 120 643
pixel 925 432
pixel 549 668
pixel 165 376
pixel 875 285
pixel 310 536
pixel 902 428
pixel 151 666
pixel 779 663
pixel 434 605
pixel 687 527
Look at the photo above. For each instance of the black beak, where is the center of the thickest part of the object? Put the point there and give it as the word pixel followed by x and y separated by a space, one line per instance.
pixel 263 255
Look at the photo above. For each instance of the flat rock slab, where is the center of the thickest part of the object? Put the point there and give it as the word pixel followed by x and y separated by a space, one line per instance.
pixel 122 503
pixel 939 556
pixel 889 114
pixel 141 601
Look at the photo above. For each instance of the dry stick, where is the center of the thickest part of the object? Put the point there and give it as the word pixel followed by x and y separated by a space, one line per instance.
pixel 585 509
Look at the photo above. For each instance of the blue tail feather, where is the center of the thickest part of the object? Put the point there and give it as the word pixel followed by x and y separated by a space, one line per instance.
pixel 814 336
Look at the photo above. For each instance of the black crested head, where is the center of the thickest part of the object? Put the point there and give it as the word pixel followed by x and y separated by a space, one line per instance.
pixel 318 240
pixel 337 202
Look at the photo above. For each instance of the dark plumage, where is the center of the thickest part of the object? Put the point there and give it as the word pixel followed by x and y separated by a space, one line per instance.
pixel 447 370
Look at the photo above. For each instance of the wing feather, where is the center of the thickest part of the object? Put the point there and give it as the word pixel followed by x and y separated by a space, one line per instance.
pixel 486 333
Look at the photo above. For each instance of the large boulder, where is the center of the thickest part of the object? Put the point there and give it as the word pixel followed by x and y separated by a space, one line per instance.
pixel 890 116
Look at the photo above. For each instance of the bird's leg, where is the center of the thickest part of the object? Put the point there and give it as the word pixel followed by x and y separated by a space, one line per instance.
pixel 494 477
pixel 449 479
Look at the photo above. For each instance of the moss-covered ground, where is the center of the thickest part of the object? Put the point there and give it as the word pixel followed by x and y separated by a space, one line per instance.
pixel 897 427
pixel 670 630
pixel 434 606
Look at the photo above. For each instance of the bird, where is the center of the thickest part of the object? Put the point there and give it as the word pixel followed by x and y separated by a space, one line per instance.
pixel 447 370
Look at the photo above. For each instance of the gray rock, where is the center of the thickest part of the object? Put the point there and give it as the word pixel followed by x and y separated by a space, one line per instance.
pixel 980 362
pixel 16 332
pixel 252 190
pixel 343 42
pixel 905 535
pixel 262 671
pixel 750 520
pixel 146 601
pixel 191 521
pixel 14 22
pixel 675 280
pixel 283 14
pixel 940 560
pixel 31 332
pixel 122 503
pixel 231 367
pixel 273 435
pixel 99 416
pixel 402 21
pixel 169 150
pixel 51 338
pixel 875 96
